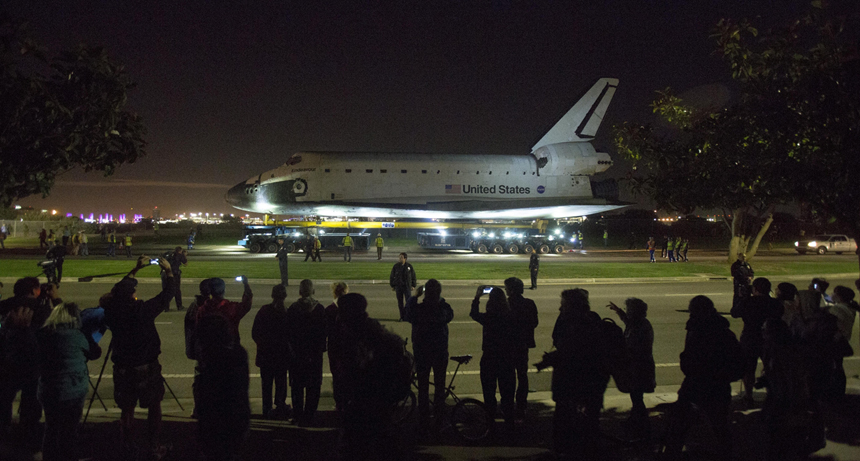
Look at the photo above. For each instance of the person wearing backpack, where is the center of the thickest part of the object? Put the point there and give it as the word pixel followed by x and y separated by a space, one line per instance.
pixel 639 342
pixel 712 359
pixel 375 375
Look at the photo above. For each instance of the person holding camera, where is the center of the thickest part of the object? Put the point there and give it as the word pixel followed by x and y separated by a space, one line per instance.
pixel 231 310
pixel 498 345
pixel 58 254
pixel 429 321
pixel 135 348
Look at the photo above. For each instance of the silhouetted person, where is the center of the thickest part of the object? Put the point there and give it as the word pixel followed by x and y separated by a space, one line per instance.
pixel 177 259
pixel 372 359
pixel 639 339
pixel 307 336
pixel 333 346
pixel 429 320
pixel 274 354
pixel 231 310
pixel 58 254
pixel 705 362
pixel 742 276
pixel 223 409
pixel 283 255
pixel 754 311
pixel 498 346
pixel 136 347
pixel 525 320
pixel 579 376
pixel 534 267
pixel 21 316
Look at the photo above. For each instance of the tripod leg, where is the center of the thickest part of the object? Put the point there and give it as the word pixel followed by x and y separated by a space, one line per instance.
pixel 98 381
pixel 96 395
pixel 172 393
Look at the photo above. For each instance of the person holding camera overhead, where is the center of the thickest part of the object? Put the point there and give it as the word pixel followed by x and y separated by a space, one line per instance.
pixel 429 321
pixel 177 259
pixel 498 346
pixel 136 347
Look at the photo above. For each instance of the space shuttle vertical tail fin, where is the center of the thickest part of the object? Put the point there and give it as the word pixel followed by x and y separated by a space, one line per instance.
pixel 580 123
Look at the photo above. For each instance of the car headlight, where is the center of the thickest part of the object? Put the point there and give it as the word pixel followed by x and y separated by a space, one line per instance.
pixel 812 244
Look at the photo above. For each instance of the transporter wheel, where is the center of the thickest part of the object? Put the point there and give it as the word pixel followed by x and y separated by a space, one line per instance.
pixel 513 248
pixel 558 249
pixel 482 248
pixel 255 248
pixel 498 249
pixel 471 420
pixel 822 250
pixel 272 247
pixel 543 249
pixel 528 248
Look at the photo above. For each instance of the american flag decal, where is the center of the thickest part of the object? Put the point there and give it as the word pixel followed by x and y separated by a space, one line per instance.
pixel 453 189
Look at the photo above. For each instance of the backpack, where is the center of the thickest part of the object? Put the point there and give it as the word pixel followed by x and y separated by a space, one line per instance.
pixel 617 358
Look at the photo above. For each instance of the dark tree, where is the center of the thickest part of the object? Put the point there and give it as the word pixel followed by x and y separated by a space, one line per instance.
pixel 60 112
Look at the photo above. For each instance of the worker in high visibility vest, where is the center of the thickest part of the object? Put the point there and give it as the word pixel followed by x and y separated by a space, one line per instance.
pixel 128 245
pixel 379 245
pixel 348 245
pixel 317 246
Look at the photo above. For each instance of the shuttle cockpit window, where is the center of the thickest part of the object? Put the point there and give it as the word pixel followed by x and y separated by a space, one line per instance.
pixel 294 159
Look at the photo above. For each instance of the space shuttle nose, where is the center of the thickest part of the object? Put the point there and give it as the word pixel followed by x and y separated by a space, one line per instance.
pixel 236 196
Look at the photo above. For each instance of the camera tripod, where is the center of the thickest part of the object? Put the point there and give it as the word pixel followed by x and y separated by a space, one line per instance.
pixel 99 380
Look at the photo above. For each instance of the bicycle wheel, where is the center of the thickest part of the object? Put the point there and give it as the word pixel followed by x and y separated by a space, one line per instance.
pixel 404 408
pixel 471 420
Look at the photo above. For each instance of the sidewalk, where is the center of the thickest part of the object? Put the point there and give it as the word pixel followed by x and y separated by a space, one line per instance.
pixel 276 440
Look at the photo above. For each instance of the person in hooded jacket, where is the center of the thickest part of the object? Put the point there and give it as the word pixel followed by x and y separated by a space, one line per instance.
pixel 429 321
pixel 707 384
pixel 273 351
pixel 64 380
pixel 307 338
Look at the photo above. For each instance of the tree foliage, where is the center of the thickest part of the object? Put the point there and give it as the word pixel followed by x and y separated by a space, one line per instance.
pixel 792 135
pixel 60 112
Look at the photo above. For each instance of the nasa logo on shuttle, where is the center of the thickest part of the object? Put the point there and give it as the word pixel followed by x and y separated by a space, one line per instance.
pixel 300 186
pixel 541 189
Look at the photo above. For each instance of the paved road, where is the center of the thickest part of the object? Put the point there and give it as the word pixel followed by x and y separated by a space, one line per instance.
pixel 665 300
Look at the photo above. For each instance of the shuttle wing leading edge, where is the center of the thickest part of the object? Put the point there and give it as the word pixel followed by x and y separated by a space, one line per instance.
pixel 580 123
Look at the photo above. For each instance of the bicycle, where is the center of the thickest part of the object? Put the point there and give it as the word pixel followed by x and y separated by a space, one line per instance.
pixel 469 418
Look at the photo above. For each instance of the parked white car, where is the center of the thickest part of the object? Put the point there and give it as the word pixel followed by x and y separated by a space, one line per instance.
pixel 821 244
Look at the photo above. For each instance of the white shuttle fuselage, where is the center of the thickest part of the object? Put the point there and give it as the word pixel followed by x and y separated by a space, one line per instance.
pixel 553 181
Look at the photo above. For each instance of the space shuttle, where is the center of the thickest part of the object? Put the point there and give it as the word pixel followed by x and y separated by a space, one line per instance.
pixel 553 181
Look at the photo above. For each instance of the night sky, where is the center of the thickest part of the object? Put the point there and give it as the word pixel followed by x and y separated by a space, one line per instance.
pixel 231 89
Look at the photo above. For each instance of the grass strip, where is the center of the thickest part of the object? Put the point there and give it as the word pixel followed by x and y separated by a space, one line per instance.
pixel 447 270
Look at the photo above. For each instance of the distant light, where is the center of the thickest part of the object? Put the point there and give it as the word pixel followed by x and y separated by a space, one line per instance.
pixel 17 207
pixel 476 234
pixel 557 231
pixel 492 235
pixel 53 211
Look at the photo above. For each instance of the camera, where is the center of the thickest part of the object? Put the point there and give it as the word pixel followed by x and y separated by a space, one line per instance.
pixel 239 278
pixel 487 290
pixel 153 262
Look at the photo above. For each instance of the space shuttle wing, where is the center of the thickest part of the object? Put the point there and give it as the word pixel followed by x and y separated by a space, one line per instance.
pixel 581 122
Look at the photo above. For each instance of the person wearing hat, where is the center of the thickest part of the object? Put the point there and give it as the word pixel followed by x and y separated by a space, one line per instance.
pixel 379 244
pixel 136 347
